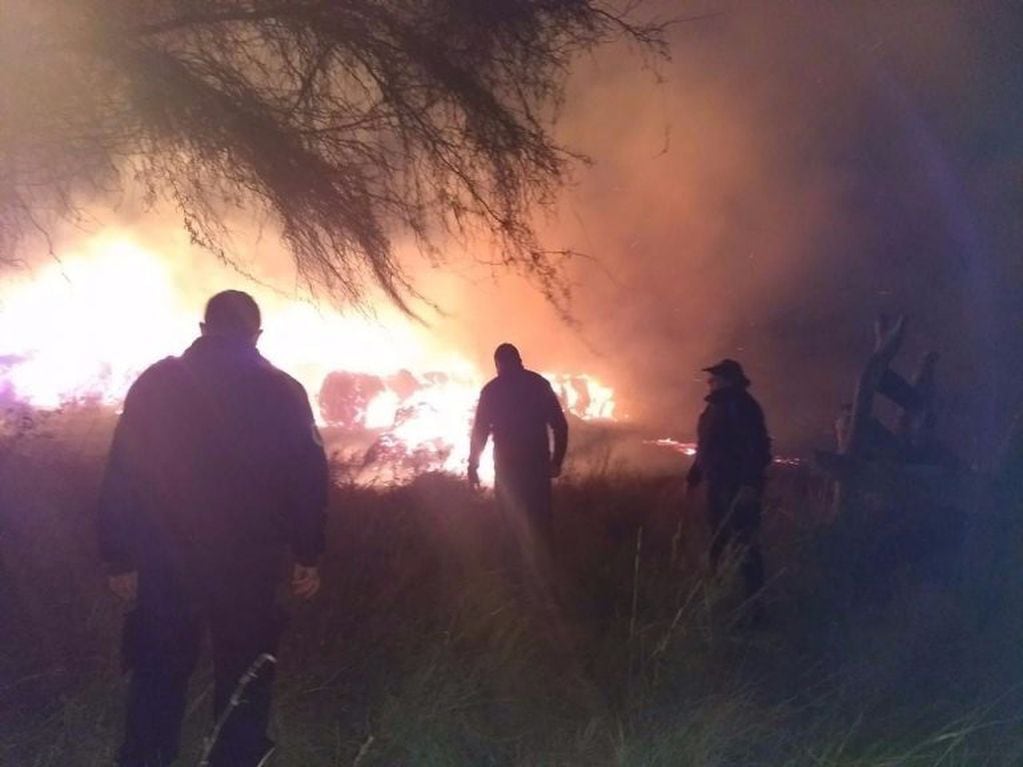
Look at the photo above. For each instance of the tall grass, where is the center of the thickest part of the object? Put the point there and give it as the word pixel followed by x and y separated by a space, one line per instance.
pixel 885 644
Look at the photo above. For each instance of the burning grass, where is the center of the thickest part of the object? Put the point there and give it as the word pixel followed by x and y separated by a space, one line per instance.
pixel 421 652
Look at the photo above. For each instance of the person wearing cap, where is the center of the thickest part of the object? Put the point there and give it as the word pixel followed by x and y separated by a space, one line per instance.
pixel 215 471
pixel 732 454
pixel 521 411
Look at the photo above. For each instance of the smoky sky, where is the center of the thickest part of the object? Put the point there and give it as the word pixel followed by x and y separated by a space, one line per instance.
pixel 796 169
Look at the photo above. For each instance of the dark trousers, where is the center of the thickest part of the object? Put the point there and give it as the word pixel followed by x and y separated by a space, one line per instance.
pixel 736 525
pixel 524 502
pixel 161 647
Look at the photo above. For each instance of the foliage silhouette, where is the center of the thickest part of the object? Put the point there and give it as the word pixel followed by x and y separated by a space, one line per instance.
pixel 347 124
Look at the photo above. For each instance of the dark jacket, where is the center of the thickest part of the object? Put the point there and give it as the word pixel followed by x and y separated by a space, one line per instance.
pixel 733 447
pixel 216 461
pixel 517 407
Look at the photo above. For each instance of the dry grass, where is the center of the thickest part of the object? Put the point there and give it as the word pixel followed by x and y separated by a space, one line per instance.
pixel 884 646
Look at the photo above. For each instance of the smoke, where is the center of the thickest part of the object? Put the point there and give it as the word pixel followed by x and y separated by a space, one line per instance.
pixel 794 170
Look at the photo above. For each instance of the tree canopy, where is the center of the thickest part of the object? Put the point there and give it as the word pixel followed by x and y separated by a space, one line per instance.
pixel 349 122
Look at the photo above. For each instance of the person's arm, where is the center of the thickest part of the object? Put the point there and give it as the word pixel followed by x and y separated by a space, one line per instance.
pixel 307 484
pixel 118 507
pixel 481 427
pixel 695 474
pixel 756 446
pixel 559 428
pixel 117 504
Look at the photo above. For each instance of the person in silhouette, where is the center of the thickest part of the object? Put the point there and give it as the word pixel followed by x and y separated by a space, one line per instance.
pixel 521 411
pixel 733 451
pixel 215 471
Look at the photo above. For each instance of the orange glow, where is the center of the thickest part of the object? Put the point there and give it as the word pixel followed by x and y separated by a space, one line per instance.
pixel 85 327
pixel 685 448
pixel 689 449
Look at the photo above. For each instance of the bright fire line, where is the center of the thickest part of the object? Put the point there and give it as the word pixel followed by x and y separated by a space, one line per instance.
pixel 83 328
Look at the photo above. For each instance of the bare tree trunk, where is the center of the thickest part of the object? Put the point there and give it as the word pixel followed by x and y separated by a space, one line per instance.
pixel 916 425
pixel 888 338
pixel 855 437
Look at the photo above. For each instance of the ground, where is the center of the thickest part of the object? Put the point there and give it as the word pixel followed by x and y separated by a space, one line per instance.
pixel 891 638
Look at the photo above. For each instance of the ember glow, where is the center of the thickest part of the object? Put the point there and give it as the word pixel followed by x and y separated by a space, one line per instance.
pixel 685 448
pixel 688 449
pixel 83 327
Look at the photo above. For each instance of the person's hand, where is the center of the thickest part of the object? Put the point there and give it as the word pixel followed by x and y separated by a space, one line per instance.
pixel 305 581
pixel 124 586
pixel 555 470
pixel 747 496
pixel 474 477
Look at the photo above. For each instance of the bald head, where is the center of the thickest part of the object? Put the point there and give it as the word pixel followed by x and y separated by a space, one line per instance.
pixel 507 358
pixel 232 314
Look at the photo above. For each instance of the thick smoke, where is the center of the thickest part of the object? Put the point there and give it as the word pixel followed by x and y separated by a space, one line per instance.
pixel 794 170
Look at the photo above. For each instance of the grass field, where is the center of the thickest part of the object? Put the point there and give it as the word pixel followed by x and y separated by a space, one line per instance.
pixel 892 638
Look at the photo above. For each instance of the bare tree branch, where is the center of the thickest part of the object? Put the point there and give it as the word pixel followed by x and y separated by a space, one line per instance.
pixel 351 124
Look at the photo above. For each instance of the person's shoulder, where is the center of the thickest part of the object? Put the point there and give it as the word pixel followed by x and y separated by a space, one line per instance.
pixel 750 401
pixel 153 382
pixel 537 380
pixel 750 407
pixel 285 383
pixel 491 386
pixel 167 366
pixel 160 372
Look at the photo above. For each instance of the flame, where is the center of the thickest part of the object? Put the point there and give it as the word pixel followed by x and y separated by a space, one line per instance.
pixel 689 449
pixel 584 395
pixel 685 448
pixel 84 327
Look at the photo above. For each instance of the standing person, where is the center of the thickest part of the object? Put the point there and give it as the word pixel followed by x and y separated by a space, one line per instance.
pixel 519 407
pixel 732 453
pixel 216 469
